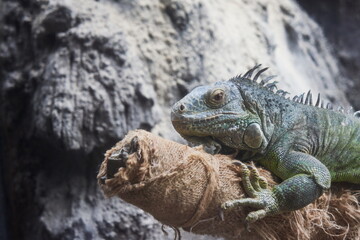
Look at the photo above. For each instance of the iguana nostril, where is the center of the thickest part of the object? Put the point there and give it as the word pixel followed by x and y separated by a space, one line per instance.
pixel 182 108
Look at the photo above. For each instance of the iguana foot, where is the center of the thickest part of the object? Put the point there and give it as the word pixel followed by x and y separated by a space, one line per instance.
pixel 260 197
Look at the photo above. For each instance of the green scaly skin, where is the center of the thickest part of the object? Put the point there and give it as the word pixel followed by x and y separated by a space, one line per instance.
pixel 307 146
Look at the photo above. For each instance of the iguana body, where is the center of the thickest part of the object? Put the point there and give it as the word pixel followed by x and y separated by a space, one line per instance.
pixel 306 146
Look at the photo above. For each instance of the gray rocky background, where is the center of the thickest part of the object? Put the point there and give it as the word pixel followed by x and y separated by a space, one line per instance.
pixel 76 75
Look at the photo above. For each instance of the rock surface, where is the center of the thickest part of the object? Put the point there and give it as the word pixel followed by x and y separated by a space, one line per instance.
pixel 340 21
pixel 76 75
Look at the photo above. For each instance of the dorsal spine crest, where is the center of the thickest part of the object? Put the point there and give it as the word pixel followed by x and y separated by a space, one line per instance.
pixel 271 86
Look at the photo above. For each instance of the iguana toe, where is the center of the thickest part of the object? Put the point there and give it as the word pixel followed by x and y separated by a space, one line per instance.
pixel 260 197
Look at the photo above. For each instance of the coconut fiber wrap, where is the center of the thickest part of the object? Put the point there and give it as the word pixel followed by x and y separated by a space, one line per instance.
pixel 184 187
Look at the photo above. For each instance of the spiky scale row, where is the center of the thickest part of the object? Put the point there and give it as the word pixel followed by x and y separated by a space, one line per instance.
pixel 259 73
pixel 249 73
pixel 357 114
pixel 308 100
pixel 271 86
pixel 282 93
pixel 301 98
pixel 266 80
pixel 318 101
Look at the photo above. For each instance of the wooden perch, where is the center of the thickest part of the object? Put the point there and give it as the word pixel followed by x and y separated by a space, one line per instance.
pixel 184 187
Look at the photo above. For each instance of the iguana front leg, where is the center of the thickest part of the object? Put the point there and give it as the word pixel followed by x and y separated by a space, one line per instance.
pixel 307 178
pixel 256 187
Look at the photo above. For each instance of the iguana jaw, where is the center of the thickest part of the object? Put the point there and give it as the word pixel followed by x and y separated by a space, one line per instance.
pixel 201 124
pixel 204 117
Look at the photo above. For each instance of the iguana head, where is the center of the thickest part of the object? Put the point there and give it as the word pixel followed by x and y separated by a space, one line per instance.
pixel 218 111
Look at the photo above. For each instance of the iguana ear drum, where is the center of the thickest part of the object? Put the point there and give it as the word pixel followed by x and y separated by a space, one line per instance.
pixel 253 136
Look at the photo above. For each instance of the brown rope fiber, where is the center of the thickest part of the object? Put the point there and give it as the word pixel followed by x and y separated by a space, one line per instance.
pixel 184 187
pixel 212 174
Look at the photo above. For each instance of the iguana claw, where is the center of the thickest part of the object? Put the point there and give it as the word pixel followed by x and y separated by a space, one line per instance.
pixel 260 197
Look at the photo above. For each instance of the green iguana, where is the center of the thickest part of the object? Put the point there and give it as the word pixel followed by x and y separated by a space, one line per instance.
pixel 308 146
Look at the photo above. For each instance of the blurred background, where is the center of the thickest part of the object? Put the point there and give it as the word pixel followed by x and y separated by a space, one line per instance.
pixel 77 75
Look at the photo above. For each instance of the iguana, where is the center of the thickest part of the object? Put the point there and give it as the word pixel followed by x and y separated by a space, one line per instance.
pixel 308 146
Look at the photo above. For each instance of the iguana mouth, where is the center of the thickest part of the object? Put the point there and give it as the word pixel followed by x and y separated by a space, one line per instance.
pixel 202 124
pixel 198 118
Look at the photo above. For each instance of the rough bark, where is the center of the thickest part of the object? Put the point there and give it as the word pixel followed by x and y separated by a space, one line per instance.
pixel 75 76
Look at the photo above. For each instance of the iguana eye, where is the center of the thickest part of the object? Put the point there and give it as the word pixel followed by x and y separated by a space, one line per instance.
pixel 216 98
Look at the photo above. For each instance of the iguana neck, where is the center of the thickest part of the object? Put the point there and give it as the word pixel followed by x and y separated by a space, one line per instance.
pixel 264 104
